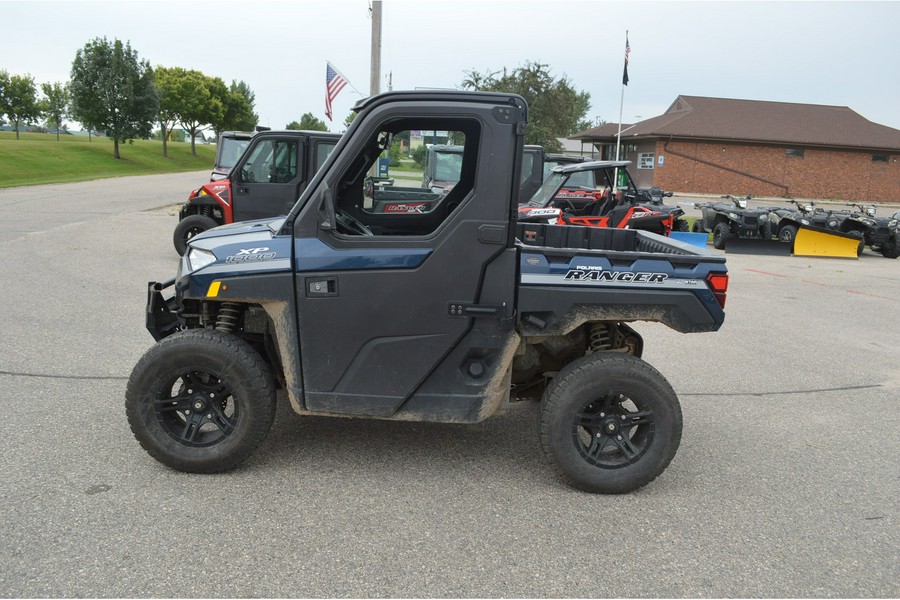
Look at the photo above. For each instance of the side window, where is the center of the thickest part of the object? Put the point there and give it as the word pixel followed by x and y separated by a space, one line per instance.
pixel 384 192
pixel 323 150
pixel 271 161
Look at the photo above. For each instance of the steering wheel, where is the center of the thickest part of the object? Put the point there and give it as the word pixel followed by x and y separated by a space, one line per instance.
pixel 351 225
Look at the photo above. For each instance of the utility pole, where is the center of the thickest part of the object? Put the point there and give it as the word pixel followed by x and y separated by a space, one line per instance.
pixel 375 73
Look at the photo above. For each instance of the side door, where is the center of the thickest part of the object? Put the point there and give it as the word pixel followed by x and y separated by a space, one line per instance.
pixel 267 180
pixel 408 312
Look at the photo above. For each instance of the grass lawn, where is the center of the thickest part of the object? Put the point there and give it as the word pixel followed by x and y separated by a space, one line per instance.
pixel 38 158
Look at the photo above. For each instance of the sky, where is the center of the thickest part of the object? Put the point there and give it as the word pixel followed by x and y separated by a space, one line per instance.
pixel 830 53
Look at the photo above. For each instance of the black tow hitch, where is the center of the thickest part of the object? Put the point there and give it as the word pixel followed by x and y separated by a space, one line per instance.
pixel 162 316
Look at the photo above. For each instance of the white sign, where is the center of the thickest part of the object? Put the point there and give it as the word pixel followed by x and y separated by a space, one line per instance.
pixel 645 160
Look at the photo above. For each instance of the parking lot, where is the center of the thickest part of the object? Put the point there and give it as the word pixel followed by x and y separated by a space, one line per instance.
pixel 786 482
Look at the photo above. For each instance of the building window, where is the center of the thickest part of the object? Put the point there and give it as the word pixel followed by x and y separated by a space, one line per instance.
pixel 798 152
pixel 880 158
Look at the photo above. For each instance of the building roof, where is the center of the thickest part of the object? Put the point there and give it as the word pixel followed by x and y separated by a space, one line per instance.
pixel 725 119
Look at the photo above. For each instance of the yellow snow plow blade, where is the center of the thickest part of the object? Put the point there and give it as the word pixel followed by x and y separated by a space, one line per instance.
pixel 815 241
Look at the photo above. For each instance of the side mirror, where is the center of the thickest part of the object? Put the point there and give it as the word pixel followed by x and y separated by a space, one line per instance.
pixel 327 218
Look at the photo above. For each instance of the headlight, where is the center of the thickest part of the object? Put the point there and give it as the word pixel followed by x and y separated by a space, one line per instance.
pixel 870 210
pixel 764 217
pixel 805 221
pixel 892 223
pixel 742 204
pixel 197 259
pixel 733 216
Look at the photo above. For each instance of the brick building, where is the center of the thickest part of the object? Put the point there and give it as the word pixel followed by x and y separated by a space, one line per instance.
pixel 719 146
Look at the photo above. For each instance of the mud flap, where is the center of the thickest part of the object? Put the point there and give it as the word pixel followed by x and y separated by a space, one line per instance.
pixel 816 241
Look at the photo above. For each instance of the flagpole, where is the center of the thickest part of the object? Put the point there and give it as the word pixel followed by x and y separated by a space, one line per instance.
pixel 621 105
pixel 619 134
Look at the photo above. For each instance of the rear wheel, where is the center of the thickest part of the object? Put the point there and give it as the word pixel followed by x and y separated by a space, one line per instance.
pixel 610 423
pixel 188 227
pixel 697 226
pixel 200 401
pixel 721 233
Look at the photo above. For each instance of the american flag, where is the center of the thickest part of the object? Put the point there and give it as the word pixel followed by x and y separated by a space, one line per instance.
pixel 627 52
pixel 334 83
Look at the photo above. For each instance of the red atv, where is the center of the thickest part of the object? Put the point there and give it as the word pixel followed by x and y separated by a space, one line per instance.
pixel 559 202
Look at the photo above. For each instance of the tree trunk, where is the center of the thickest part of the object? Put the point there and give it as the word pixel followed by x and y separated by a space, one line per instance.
pixel 165 135
pixel 116 147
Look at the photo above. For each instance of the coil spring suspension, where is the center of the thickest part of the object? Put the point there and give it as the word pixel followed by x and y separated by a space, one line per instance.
pixel 206 211
pixel 601 337
pixel 228 316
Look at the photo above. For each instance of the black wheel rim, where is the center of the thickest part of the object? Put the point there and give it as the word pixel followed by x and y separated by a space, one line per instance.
pixel 197 409
pixel 192 231
pixel 613 431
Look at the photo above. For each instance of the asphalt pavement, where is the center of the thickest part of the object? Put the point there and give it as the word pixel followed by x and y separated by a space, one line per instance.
pixel 786 483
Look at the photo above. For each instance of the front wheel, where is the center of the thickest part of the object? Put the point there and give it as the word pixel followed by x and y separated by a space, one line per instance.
pixel 787 234
pixel 610 423
pixel 721 233
pixel 188 227
pixel 200 401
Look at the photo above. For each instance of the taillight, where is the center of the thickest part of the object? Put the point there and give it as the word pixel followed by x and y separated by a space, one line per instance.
pixel 718 283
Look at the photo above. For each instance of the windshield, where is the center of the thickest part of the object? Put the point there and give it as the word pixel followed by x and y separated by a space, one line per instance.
pixel 447 166
pixel 229 151
pixel 547 191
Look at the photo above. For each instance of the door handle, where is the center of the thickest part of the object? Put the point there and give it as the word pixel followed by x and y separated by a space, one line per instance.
pixel 321 287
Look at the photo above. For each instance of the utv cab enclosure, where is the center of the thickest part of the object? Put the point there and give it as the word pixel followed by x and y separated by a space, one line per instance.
pixel 444 316
pixel 264 181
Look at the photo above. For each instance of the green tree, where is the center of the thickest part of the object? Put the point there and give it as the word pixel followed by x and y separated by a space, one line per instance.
pixel 112 89
pixel 4 86
pixel 555 108
pixel 308 122
pixel 20 101
pixel 239 104
pixel 200 105
pixel 168 81
pixel 56 104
